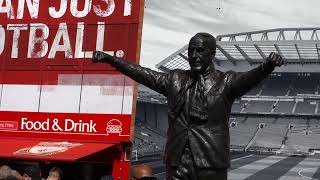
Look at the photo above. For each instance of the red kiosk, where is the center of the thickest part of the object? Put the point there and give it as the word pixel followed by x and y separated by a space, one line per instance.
pixel 56 107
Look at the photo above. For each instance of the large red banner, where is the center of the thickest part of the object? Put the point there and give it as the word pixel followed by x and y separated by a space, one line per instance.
pixel 35 34
pixel 46 68
pixel 69 127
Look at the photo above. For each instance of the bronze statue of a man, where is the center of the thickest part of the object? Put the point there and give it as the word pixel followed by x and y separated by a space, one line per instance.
pixel 199 102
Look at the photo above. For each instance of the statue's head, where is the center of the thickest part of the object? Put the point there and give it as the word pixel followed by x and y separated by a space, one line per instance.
pixel 201 50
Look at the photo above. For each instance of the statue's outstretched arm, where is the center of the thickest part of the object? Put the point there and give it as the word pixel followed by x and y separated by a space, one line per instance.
pixel 242 83
pixel 157 81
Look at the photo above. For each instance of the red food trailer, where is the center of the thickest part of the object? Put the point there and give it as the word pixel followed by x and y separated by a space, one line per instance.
pixel 56 106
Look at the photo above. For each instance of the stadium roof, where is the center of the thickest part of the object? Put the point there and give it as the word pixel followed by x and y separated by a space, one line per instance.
pixel 240 51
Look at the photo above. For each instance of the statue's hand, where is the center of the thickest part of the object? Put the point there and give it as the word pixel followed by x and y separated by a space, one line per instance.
pixel 275 59
pixel 99 56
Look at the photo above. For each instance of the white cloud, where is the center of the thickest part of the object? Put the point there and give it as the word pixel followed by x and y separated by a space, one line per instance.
pixel 169 24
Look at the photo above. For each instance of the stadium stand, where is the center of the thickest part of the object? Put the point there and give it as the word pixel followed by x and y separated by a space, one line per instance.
pixel 305 107
pixel 301 138
pixel 284 107
pixel 313 122
pixel 279 103
pixel 287 103
pixel 148 139
pixel 281 84
pixel 271 136
pixel 237 119
pixel 241 134
pixel 255 91
pixel 259 106
pixel 237 106
pixel 259 119
pixel 304 85
pixel 284 121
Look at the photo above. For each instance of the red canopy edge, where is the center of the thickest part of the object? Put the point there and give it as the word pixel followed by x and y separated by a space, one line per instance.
pixel 33 149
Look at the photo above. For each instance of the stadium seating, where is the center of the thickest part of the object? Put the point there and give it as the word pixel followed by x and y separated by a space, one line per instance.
pixel 305 107
pixel 148 140
pixel 259 106
pixel 313 122
pixel 284 107
pixel 259 119
pixel 238 119
pixel 281 85
pixel 279 103
pixel 238 105
pixel 290 86
pixel 255 91
pixel 241 134
pixel 315 129
pixel 301 139
pixel 305 85
pixel 300 121
pixel 271 136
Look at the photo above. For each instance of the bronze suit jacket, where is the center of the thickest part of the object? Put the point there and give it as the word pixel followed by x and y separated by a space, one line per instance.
pixel 209 139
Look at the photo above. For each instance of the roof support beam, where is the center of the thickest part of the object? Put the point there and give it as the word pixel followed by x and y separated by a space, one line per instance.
pixel 260 52
pixel 264 33
pixel 184 57
pixel 216 60
pixel 279 51
pixel 248 37
pixel 164 69
pixel 270 43
pixel 301 60
pixel 281 36
pixel 264 36
pixel 244 54
pixel 228 56
pixel 317 47
pixel 314 35
pixel 297 35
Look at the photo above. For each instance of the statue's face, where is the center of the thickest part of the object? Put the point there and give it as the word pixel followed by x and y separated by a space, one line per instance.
pixel 200 54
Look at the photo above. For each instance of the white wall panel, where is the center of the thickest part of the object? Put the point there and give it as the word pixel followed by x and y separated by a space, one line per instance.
pixel 60 98
pixel 94 100
pixel 20 98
